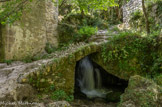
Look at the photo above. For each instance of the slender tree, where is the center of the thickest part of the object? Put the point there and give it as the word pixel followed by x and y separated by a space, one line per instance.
pixel 146 17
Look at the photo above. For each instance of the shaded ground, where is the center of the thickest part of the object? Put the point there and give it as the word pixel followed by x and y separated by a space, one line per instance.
pixel 98 102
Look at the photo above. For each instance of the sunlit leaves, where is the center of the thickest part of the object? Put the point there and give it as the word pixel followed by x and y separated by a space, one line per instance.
pixel 10 11
pixel 86 5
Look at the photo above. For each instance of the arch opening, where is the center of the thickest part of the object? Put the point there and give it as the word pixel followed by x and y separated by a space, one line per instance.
pixel 93 82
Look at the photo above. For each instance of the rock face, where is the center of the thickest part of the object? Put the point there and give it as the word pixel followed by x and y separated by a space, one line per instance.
pixel 29 35
pixel 129 8
pixel 10 89
pixel 141 92
pixel 153 10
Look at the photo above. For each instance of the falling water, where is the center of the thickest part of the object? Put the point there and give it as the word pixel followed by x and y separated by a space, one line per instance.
pixel 98 78
pixel 89 79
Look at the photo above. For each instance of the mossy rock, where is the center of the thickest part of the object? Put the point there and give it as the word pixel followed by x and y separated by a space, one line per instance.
pixel 158 79
pixel 141 92
pixel 126 56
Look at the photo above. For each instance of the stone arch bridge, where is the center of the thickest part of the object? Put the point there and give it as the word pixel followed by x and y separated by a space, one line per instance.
pixel 20 80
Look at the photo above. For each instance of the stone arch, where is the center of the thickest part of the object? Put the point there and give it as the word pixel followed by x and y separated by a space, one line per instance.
pixel 59 72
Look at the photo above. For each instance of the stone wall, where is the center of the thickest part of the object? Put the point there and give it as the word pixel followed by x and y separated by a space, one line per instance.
pixel 29 35
pixel 129 8
pixel 1 45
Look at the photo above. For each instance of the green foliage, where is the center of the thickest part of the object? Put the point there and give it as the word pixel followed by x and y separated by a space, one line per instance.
pixel 49 48
pixel 97 22
pixel 39 96
pixel 70 26
pixel 28 59
pixel 137 20
pixel 12 10
pixel 158 79
pixel 61 95
pixel 131 51
pixel 136 15
pixel 8 62
pixel 159 8
pixel 154 11
pixel 87 31
pixel 115 29
pixel 157 66
pixel 86 5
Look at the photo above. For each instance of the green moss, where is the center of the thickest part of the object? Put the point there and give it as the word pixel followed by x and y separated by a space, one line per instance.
pixel 61 95
pixel 140 92
pixel 2 48
pixel 129 54
pixel 158 79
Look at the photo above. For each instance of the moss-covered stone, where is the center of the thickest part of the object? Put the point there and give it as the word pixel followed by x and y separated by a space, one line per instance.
pixel 141 92
pixel 2 50
pixel 130 55
pixel 158 79
pixel 58 74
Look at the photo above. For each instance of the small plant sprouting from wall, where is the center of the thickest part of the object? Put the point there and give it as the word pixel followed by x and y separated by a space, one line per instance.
pixel 49 48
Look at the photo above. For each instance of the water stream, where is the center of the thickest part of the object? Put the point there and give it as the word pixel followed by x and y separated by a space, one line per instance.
pixel 89 79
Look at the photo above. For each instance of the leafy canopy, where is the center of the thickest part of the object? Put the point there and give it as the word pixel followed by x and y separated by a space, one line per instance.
pixel 11 10
pixel 85 5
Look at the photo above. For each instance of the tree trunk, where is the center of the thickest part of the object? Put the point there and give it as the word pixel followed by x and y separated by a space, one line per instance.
pixel 82 13
pixel 146 17
pixel 119 9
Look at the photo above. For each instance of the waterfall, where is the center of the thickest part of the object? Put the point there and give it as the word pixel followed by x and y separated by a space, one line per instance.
pixel 89 79
pixel 98 79
pixel 86 79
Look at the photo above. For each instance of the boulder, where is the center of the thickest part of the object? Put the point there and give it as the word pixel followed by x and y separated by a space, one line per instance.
pixel 141 92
